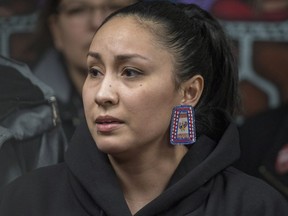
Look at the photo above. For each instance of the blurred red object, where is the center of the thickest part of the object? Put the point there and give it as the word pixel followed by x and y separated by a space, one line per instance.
pixel 239 10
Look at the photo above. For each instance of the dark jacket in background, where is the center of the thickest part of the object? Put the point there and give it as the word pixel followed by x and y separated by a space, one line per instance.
pixel 204 184
pixel 264 147
pixel 30 132
pixel 52 71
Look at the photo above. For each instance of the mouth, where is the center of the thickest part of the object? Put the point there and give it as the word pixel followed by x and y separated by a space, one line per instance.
pixel 108 120
pixel 106 124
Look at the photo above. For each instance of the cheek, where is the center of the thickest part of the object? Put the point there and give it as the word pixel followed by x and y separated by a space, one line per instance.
pixel 73 35
pixel 154 104
pixel 87 97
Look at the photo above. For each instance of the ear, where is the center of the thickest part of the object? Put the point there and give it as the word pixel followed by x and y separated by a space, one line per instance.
pixel 192 90
pixel 55 29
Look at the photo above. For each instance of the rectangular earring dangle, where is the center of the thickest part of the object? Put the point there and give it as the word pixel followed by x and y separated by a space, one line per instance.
pixel 182 128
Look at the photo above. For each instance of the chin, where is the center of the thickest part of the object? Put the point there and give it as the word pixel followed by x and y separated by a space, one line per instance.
pixel 111 148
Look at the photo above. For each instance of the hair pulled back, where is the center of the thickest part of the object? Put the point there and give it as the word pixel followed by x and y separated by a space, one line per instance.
pixel 199 46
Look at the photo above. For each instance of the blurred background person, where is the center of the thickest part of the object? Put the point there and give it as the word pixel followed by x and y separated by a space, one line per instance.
pixel 64 32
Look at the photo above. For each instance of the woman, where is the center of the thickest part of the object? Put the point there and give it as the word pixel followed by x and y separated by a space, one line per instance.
pixel 132 158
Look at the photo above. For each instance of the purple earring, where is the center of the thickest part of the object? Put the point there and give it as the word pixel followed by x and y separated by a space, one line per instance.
pixel 182 128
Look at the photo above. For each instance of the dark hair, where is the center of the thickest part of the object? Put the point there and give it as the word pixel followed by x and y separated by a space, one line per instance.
pixel 43 37
pixel 200 46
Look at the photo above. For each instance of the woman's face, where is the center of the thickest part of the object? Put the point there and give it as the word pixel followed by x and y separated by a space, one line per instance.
pixel 130 90
pixel 75 25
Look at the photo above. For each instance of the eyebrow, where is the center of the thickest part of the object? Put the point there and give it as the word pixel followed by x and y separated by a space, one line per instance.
pixel 120 58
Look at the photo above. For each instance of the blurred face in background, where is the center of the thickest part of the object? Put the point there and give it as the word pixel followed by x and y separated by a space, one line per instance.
pixel 72 29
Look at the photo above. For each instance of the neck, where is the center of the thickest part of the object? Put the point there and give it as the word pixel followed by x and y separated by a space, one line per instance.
pixel 146 176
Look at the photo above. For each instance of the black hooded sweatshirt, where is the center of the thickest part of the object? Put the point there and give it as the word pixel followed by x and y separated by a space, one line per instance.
pixel 204 184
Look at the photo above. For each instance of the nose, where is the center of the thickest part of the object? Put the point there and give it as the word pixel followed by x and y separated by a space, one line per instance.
pixel 106 94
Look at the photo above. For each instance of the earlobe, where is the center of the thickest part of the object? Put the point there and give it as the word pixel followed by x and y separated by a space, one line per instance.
pixel 192 90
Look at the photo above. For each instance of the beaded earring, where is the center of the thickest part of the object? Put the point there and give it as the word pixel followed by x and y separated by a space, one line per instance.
pixel 182 128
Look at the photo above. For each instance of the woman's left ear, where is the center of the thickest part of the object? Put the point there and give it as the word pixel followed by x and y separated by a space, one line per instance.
pixel 192 90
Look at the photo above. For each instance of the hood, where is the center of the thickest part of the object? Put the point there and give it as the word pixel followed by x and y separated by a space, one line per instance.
pixel 96 185
pixel 24 102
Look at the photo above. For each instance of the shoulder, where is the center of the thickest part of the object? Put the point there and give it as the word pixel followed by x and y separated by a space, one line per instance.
pixel 247 182
pixel 35 188
pixel 45 175
pixel 254 194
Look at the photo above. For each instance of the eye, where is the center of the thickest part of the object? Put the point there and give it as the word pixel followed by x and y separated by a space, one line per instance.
pixel 75 10
pixel 129 72
pixel 94 72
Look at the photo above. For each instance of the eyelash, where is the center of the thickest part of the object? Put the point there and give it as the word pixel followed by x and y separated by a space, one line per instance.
pixel 126 72
pixel 92 72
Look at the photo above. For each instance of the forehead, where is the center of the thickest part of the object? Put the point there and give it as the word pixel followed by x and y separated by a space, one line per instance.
pixel 128 35
pixel 120 27
pixel 100 2
pixel 135 24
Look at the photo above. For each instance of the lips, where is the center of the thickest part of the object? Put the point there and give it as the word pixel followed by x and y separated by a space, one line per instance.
pixel 106 124
pixel 107 120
